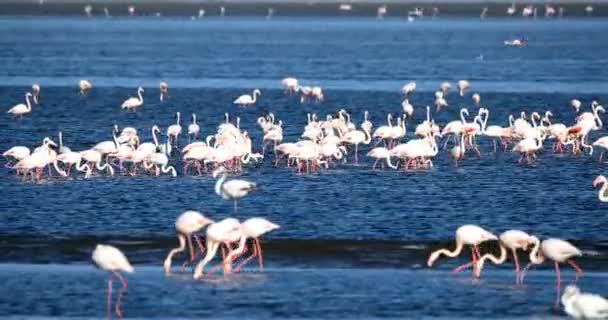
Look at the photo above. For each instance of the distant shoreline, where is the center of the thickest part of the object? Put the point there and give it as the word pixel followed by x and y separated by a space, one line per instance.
pixel 472 8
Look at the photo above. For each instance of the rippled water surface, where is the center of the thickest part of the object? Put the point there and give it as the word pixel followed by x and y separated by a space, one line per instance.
pixel 352 241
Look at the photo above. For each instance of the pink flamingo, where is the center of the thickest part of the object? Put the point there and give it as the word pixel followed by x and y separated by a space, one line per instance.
pixel 186 225
pixel 559 251
pixel 467 234
pixel 111 259
pixel 513 240
pixel 251 228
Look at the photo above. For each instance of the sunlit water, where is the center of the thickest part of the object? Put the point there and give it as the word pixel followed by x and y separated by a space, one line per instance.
pixel 352 242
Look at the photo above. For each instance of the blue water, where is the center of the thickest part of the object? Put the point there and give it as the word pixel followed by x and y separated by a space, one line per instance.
pixel 352 242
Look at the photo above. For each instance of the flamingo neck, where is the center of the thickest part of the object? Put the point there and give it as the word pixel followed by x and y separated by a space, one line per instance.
pixel 436 254
pixel 141 98
pixel 602 193
pixel 535 258
pixel 488 256
pixel 219 182
pixel 154 137
pixel 27 101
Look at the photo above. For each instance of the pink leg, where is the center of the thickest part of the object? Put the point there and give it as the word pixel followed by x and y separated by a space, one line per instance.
pixel 558 284
pixel 109 299
pixel 120 291
pixel 260 256
pixel 516 260
pixel 579 271
pixel 374 165
pixel 244 262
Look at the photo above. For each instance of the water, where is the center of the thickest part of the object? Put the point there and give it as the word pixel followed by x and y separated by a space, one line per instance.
pixel 352 242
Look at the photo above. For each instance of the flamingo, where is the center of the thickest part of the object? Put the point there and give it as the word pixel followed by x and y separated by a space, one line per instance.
pixel 252 228
pixel 187 225
pixel 17 153
pixel 445 88
pixel 384 132
pixel 164 90
pixel 174 130
pixel 133 103
pixel 109 258
pixel 72 158
pixel 160 161
pixel 317 93
pixel 21 109
pixel 512 240
pixel 290 85
pixel 576 105
pixel 225 231
pixel 408 88
pixel 467 234
pixel 233 189
pixel 462 86
pixel 584 305
pixel 602 195
pixel 36 93
pixel 457 152
pixel 476 99
pixel 558 251
pixel 193 128
pixel 381 153
pixel 357 137
pixel 84 86
pixel 455 127
pixel 245 100
pixel 408 109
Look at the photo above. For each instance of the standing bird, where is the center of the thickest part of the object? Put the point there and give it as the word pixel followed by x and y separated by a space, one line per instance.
pixel 558 251
pixel 193 128
pixel 252 228
pixel 36 93
pixel 408 109
pixel 21 109
pixel 246 99
pixel 512 240
pixel 467 234
pixel 222 232
pixel 175 130
pixel 290 85
pixel 84 86
pixel 602 195
pixel 111 259
pixel 457 152
pixel 186 226
pixel 133 103
pixel 584 305
pixel 462 86
pixel 233 189
pixel 164 90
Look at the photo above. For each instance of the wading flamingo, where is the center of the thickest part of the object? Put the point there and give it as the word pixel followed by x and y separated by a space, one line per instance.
pixel 164 90
pixel 558 251
pixel 246 99
pixel 134 103
pixel 109 258
pixel 222 232
pixel 252 228
pixel 232 189
pixel 193 128
pixel 21 109
pixel 511 240
pixel 36 93
pixel 187 225
pixel 467 234
pixel 84 87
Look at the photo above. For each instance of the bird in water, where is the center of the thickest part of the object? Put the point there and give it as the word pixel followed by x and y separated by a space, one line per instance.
pixel 111 259
pixel 580 305
pixel 187 225
pixel 164 90
pixel 231 189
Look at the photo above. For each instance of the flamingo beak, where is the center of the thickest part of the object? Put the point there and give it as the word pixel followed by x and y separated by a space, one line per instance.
pixel 597 181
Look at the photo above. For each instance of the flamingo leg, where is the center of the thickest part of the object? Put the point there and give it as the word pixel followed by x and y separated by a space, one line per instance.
pixel 374 165
pixel 260 256
pixel 516 260
pixel 579 271
pixel 557 284
pixel 120 292
pixel 244 262
pixel 109 298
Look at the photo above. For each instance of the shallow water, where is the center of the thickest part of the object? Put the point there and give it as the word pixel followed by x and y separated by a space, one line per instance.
pixel 352 241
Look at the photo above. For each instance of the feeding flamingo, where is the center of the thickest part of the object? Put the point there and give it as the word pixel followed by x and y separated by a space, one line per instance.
pixel 187 225
pixel 252 228
pixel 109 258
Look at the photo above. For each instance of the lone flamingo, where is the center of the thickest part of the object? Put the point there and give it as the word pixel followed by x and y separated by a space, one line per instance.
pixel 111 259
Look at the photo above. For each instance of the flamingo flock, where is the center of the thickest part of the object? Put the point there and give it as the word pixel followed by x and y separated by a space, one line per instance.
pixel 325 142
pixel 556 250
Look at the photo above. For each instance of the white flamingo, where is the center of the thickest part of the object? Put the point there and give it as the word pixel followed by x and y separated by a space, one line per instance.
pixel 193 128
pixel 84 87
pixel 109 258
pixel 187 225
pixel 134 103
pixel 245 100
pixel 232 189
pixel 252 228
pixel 21 109
pixel 164 90
pixel 174 130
